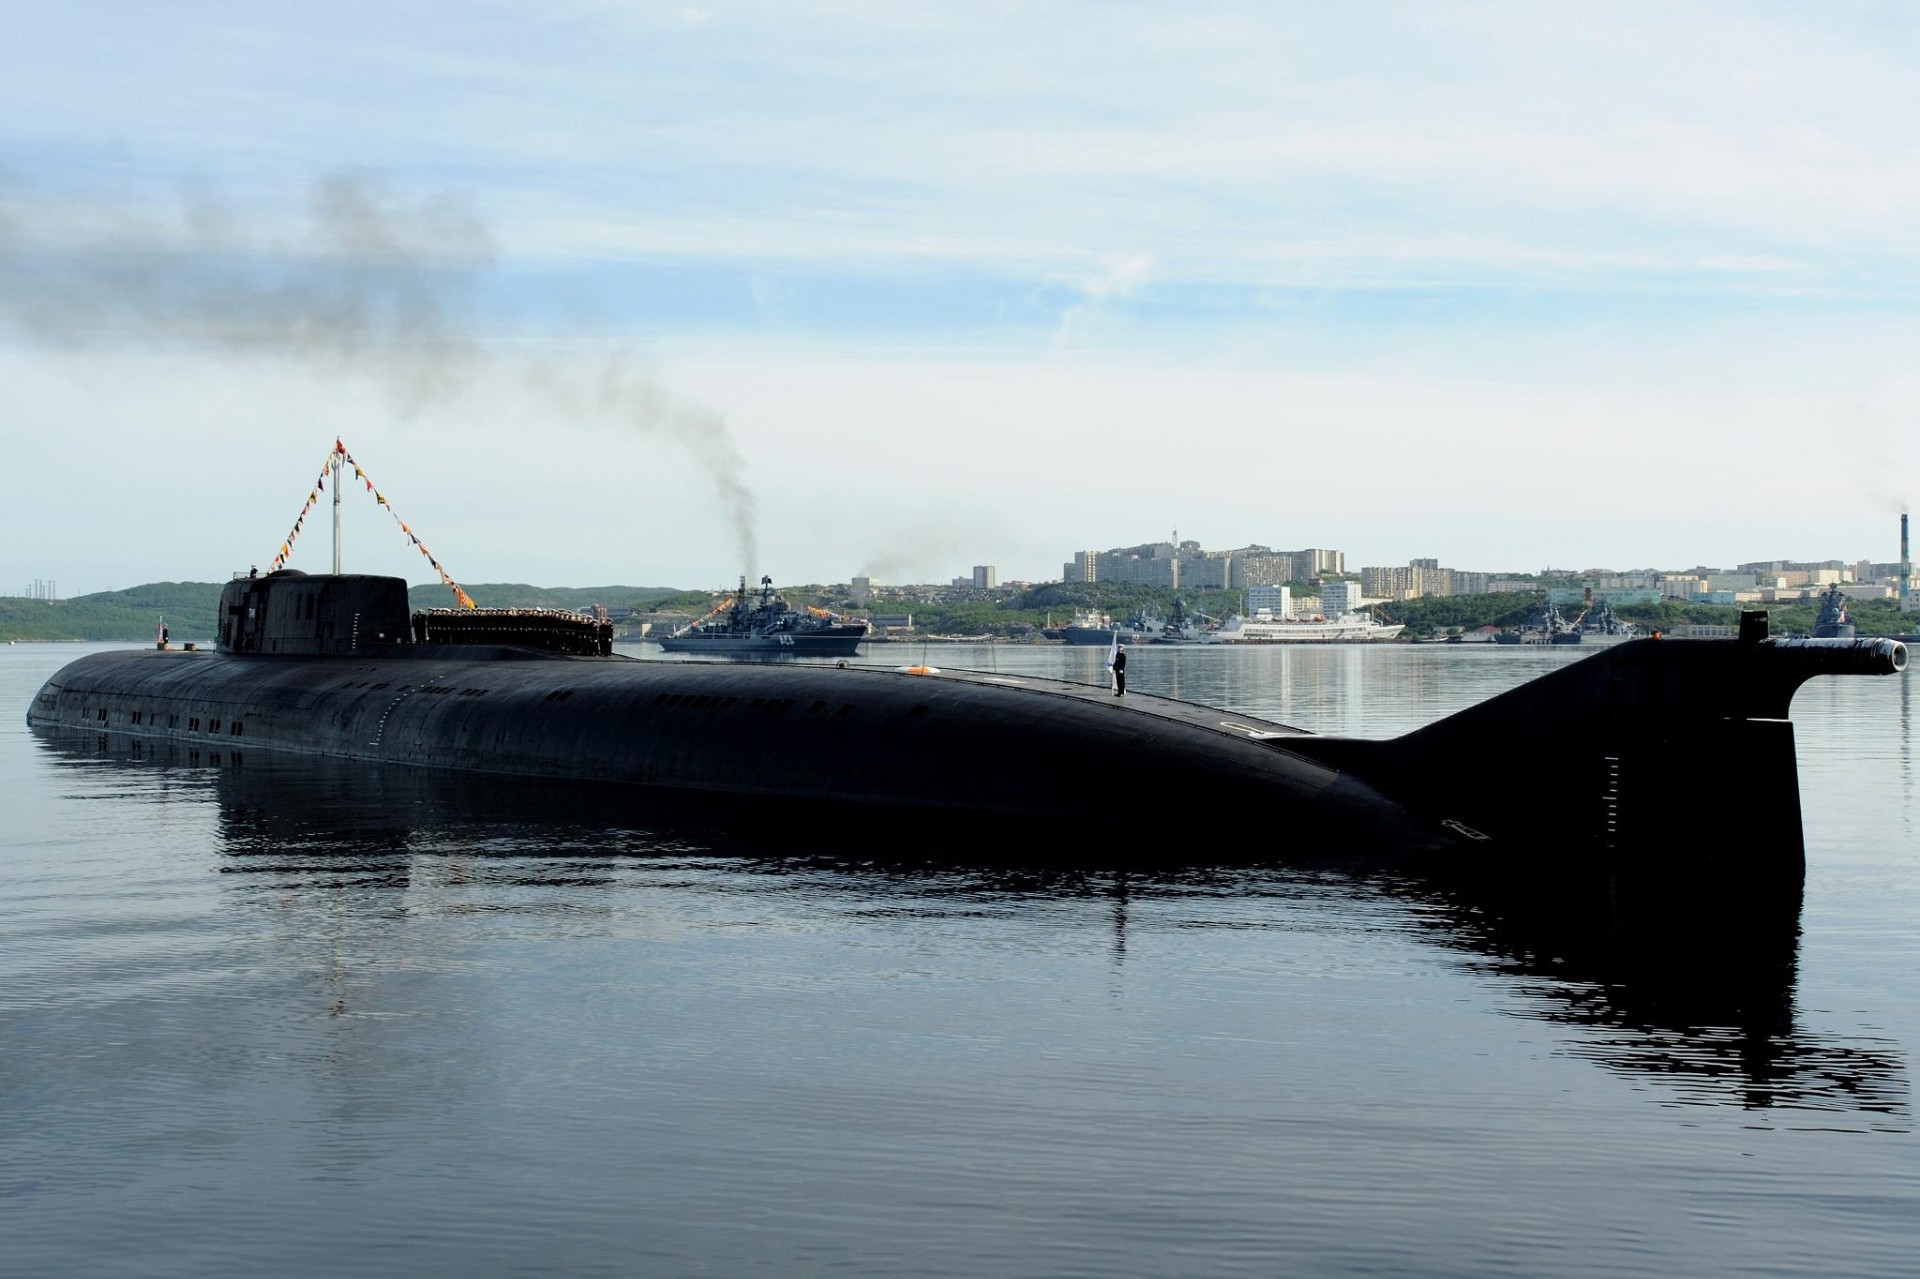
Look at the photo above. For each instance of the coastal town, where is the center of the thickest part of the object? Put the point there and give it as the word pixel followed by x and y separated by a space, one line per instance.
pixel 1174 579
pixel 1176 590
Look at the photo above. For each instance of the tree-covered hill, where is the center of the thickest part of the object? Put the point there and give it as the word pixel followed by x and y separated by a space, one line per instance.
pixel 132 614
pixel 521 595
pixel 189 607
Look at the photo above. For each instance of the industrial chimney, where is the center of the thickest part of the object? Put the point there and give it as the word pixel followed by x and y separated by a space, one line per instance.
pixel 1906 565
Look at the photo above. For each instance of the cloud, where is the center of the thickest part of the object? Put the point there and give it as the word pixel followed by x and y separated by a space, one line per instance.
pixel 1438 143
pixel 1116 282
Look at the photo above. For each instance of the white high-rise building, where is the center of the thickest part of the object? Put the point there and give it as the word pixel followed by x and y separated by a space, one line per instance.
pixel 1276 599
pixel 1339 598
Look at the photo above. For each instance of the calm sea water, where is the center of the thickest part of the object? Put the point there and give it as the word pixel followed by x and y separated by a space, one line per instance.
pixel 292 1018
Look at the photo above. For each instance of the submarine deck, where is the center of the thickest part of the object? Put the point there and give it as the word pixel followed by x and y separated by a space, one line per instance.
pixel 487 657
pixel 957 740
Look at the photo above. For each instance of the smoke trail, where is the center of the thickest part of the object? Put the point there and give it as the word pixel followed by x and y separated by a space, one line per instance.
pixel 620 390
pixel 368 285
pixel 918 548
pixel 368 281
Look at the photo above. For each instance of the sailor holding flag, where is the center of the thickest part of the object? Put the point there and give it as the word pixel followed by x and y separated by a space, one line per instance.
pixel 1117 664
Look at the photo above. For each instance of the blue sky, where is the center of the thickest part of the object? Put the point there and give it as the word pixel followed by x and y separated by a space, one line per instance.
pixel 901 289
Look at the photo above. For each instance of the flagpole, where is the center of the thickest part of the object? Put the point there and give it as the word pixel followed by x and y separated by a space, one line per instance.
pixel 336 509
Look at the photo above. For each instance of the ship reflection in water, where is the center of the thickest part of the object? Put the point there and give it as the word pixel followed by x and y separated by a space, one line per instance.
pixel 1694 995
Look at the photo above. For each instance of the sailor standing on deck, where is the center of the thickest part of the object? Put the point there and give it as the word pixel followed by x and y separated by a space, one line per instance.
pixel 1119 667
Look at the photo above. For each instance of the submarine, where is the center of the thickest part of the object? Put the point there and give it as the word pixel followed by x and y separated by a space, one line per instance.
pixel 1580 762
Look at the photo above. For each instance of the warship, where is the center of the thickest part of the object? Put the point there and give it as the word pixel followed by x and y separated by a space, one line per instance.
pixel 1598 624
pixel 339 665
pixel 1091 628
pixel 1545 625
pixel 1833 622
pixel 767 626
pixel 336 665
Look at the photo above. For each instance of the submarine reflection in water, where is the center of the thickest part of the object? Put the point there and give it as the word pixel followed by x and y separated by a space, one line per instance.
pixel 1664 985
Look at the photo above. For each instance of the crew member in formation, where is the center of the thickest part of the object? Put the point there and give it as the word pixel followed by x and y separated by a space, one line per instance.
pixel 1120 670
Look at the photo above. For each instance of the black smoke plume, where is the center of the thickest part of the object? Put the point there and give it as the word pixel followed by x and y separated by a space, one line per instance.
pixel 368 284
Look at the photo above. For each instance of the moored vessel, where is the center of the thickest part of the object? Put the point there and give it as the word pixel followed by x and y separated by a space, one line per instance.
pixel 1833 622
pixel 767 626
pixel 1264 628
pixel 1601 625
pixel 1098 628
pixel 1545 625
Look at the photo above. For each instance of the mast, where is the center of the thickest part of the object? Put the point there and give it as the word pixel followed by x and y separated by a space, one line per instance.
pixel 336 511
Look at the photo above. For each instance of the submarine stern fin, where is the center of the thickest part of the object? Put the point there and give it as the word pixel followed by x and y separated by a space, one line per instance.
pixel 1608 753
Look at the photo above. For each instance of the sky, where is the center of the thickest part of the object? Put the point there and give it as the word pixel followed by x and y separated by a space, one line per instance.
pixel 649 294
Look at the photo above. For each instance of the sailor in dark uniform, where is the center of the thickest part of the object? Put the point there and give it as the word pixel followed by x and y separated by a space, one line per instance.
pixel 1120 670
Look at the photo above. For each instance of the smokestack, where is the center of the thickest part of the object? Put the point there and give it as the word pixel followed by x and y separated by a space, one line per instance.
pixel 1906 565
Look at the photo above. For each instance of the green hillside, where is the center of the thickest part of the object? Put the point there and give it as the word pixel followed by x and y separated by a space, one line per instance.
pixel 132 614
pixel 521 595
pixel 189 607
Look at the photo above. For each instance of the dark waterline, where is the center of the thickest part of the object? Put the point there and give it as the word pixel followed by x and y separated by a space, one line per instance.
pixel 283 1016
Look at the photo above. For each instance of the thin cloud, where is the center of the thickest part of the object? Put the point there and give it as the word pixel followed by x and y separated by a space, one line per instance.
pixel 1119 280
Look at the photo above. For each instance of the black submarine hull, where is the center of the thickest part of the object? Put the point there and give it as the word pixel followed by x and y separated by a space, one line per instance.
pixel 1577 764
pixel 979 744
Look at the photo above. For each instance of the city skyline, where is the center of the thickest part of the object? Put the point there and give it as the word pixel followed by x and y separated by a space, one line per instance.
pixel 988 576
pixel 671 292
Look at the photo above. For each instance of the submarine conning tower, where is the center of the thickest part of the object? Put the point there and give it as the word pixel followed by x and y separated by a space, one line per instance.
pixel 294 614
pixel 291 613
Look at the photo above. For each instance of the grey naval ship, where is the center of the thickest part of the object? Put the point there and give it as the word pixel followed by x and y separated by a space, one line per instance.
pixel 1833 622
pixel 767 626
pixel 1091 627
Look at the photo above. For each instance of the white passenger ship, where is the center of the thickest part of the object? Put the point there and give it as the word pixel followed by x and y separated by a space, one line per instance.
pixel 1264 628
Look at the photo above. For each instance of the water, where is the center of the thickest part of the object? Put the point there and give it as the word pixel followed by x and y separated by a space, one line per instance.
pixel 294 1018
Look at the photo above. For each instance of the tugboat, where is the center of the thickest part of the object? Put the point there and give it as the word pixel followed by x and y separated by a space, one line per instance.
pixel 1833 622
pixel 767 626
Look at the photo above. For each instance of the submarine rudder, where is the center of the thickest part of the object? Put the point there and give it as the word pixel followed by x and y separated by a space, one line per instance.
pixel 1586 759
